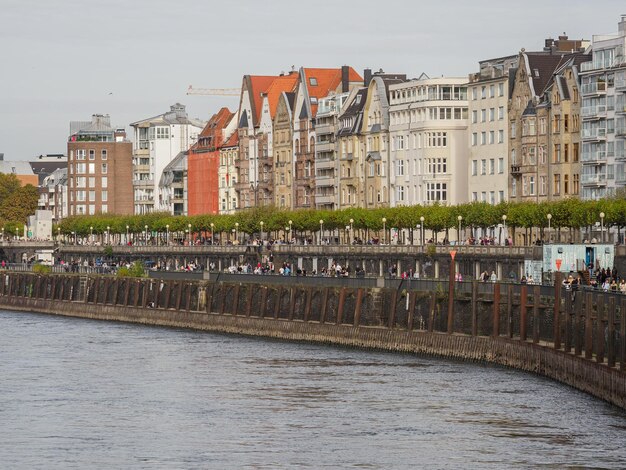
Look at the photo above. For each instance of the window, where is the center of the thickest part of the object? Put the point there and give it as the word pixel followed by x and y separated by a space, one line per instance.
pixel 483 92
pixel 104 208
pixel 557 185
pixel 474 196
pixel 483 115
pixel 500 165
pixel 92 196
pixel 400 193
pixel 92 168
pixel 436 192
pixel 80 196
pixel 492 136
pixel 500 196
pixel 513 188
pixel 104 168
pixel 474 138
pixel 162 132
pixel 492 166
pixel 81 168
pixel 501 113
pixel 474 116
pixel 492 91
pixel 103 155
pixel 492 197
pixel 80 154
pixel 105 196
pixel 92 154
pixel 92 181
pixel 500 89
pixel 513 129
pixel 105 181
pixel 492 114
pixel 483 138
pixel 474 167
pixel 500 136
pixel 400 168
pixel 475 93
pixel 565 184
pixel 81 181
pixel 483 167
pixel 313 81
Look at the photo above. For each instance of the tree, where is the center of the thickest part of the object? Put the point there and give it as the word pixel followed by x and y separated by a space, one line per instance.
pixel 19 204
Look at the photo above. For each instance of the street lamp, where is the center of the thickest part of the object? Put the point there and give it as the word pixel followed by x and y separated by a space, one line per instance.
pixel 351 229
pixel 189 227
pixel 423 228
pixel 212 234
pixel 321 230
pixel 127 234
pixel 261 224
pixel 167 234
pixel 602 226
pixel 504 224
pixel 58 234
pixel 108 235
pixel 290 222
pixel 384 228
pixel 237 232
pixel 146 233
pixel 91 234
pixel 458 235
pixel 549 217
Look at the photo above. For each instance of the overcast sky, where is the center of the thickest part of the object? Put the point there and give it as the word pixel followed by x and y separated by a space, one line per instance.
pixel 65 60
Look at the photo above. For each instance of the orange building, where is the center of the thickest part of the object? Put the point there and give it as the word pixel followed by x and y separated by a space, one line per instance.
pixel 203 166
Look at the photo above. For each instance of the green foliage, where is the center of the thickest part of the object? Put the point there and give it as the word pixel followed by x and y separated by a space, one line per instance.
pixel 108 251
pixel 17 202
pixel 569 213
pixel 136 270
pixel 41 269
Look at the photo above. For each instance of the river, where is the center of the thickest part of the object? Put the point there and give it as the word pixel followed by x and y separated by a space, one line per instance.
pixel 83 394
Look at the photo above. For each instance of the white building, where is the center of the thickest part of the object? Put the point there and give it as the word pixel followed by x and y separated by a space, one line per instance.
pixel 428 120
pixel 488 130
pixel 53 195
pixel 157 141
pixel 603 133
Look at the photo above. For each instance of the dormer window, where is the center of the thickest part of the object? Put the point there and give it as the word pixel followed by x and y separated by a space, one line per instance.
pixel 313 81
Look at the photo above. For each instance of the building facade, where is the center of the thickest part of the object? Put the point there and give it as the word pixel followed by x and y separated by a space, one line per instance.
pixel 99 169
pixel 173 186
pixel 157 141
pixel 428 132
pixel 227 175
pixel 488 95
pixel 349 143
pixel 283 151
pixel 603 89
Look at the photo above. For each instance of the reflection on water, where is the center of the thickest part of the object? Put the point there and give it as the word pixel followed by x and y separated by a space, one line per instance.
pixel 83 394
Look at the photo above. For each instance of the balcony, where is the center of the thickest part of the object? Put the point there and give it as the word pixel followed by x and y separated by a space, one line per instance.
pixel 593 112
pixel 324 164
pixel 588 66
pixel 596 179
pixel 594 158
pixel 620 83
pixel 516 170
pixel 325 199
pixel 325 180
pixel 597 133
pixel 597 88
pixel 620 131
pixel 325 146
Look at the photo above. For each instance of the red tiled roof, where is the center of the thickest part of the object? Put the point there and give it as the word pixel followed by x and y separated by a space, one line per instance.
pixel 213 130
pixel 281 83
pixel 327 80
pixel 232 141
pixel 259 84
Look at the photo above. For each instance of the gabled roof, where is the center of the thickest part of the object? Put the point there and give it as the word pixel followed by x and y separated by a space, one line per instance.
pixel 232 141
pixel 282 83
pixel 320 82
pixel 541 68
pixel 257 85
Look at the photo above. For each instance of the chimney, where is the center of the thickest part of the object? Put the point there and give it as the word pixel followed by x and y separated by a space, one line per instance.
pixel 345 79
pixel 621 26
pixel 367 77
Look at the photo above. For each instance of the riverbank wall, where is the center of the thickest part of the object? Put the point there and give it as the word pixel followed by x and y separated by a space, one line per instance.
pixel 574 340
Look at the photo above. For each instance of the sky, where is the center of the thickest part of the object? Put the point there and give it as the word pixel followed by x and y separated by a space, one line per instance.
pixel 65 60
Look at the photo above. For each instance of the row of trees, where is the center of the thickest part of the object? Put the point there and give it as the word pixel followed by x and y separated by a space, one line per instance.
pixel 566 214
pixel 17 202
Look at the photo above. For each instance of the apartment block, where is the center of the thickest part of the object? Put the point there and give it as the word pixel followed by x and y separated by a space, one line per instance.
pixel 227 175
pixel 99 169
pixel 603 90
pixel 488 96
pixel 283 151
pixel 157 141
pixel 428 133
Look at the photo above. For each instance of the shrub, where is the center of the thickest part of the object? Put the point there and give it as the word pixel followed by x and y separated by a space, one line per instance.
pixel 41 269
pixel 136 270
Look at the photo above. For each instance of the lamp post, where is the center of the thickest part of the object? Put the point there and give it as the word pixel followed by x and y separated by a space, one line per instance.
pixel 91 234
pixel 73 236
pixel 108 235
pixel 212 233
pixel 321 230
pixel 384 228
pixel 549 217
pixel 146 233
pixel 290 236
pixel 422 224
pixel 504 224
pixel 189 227
pixel 237 232
pixel 58 234
pixel 3 234
pixel 458 235
pixel 167 234
pixel 127 234
pixel 351 230
pixel 261 224
pixel 602 226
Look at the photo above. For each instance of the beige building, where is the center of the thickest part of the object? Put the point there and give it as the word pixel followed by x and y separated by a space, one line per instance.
pixel 349 145
pixel 488 91
pixel 283 152
pixel 99 169
pixel 428 123
pixel 227 175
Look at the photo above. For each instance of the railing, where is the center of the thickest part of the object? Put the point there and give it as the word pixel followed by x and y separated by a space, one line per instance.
pixel 598 156
pixel 592 111
pixel 594 133
pixel 593 179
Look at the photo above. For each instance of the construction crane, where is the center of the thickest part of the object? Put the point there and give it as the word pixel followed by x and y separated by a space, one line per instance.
pixel 213 91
